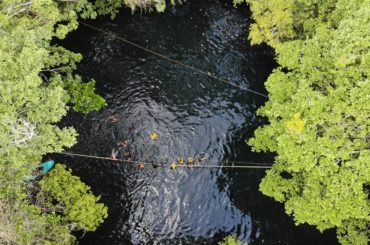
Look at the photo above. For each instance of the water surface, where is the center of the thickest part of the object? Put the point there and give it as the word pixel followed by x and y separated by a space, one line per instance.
pixel 192 114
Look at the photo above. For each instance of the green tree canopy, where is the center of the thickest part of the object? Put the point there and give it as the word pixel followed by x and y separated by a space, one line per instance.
pixel 283 20
pixel 318 112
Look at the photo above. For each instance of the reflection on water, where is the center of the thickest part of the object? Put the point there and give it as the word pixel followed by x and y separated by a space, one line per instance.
pixel 192 114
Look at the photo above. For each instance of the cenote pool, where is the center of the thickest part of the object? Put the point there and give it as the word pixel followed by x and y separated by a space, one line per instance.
pixel 192 114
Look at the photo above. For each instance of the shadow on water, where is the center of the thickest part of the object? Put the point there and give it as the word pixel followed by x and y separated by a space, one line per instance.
pixel 192 114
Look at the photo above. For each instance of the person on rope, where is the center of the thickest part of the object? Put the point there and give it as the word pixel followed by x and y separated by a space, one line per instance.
pixel 202 158
pixel 124 144
pixel 180 160
pixel 173 165
pixel 190 160
pixel 114 153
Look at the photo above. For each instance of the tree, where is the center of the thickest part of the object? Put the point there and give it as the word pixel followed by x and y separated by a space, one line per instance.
pixel 318 113
pixel 36 89
pixel 112 7
pixel 59 204
pixel 77 204
pixel 283 20
pixel 230 240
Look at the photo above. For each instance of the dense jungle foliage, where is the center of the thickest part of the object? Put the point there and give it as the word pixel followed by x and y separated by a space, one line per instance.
pixel 318 111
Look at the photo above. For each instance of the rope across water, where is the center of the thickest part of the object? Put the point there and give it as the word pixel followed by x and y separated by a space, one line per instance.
pixel 172 60
pixel 257 166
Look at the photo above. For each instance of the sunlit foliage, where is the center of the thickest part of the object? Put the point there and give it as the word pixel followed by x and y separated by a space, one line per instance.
pixel 49 211
pixel 77 204
pixel 36 88
pixel 318 111
pixel 230 240
pixel 282 20
pixel 112 7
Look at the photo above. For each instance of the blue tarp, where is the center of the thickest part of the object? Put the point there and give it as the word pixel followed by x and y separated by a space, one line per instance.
pixel 46 166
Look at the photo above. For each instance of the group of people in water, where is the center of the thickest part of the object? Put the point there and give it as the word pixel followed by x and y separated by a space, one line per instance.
pixel 124 147
pixel 201 159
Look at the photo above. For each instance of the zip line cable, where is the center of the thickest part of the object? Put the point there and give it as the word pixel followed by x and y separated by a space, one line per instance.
pixel 177 165
pixel 241 162
pixel 172 60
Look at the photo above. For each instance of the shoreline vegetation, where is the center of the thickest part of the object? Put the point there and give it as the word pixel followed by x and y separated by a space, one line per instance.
pixel 318 113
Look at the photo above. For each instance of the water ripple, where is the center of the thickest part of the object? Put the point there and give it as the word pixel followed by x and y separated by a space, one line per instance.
pixel 191 113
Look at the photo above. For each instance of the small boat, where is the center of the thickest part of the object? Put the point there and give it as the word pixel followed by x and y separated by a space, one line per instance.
pixel 41 170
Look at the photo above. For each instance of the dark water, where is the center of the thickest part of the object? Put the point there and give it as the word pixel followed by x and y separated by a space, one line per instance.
pixel 192 114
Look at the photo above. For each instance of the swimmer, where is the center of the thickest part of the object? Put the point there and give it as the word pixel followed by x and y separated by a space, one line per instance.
pixel 190 160
pixel 128 155
pixel 123 143
pixel 202 157
pixel 180 160
pixel 114 153
pixel 154 136
pixel 112 118
pixel 173 165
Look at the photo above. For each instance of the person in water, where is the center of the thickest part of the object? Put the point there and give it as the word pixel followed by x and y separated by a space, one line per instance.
pixel 114 153
pixel 124 144
pixel 112 118
pixel 128 155
pixel 202 157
